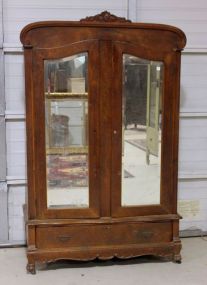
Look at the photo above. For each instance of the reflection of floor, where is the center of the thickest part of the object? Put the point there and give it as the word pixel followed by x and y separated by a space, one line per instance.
pixel 68 197
pixel 144 187
pixel 140 143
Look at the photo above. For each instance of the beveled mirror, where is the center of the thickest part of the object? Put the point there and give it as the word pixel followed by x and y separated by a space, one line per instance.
pixel 66 121
pixel 141 130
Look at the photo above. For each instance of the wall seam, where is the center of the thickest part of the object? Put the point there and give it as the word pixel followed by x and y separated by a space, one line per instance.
pixel 4 228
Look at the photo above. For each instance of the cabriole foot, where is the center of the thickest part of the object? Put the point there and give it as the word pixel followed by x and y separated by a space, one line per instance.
pixel 177 258
pixel 31 268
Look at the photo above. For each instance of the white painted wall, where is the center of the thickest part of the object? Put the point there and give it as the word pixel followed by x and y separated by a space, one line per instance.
pixel 3 185
pixel 21 12
pixel 191 16
pixel 193 82
pixel 14 79
pixel 1 25
pixel 192 204
pixel 16 199
pixel 188 15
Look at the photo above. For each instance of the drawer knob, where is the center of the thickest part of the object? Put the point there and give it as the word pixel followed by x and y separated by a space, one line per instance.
pixel 64 238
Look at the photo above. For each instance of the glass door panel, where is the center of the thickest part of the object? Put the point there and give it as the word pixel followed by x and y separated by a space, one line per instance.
pixel 66 121
pixel 141 131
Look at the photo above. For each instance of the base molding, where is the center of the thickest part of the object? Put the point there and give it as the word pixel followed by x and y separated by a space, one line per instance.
pixel 167 251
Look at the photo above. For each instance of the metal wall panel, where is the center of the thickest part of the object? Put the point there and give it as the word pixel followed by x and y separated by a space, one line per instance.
pixel 16 150
pixel 1 24
pixel 193 82
pixel 2 122
pixel 3 213
pixel 132 10
pixel 193 147
pixel 3 184
pixel 187 15
pixel 19 13
pixel 14 83
pixel 16 200
pixel 193 205
pixel 2 149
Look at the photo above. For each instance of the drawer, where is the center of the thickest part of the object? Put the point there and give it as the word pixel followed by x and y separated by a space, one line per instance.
pixel 102 235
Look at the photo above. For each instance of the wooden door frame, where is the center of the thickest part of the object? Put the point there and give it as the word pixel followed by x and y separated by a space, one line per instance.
pixel 169 151
pixel 38 106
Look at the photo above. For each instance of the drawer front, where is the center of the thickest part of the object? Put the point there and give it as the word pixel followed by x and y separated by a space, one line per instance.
pixel 102 235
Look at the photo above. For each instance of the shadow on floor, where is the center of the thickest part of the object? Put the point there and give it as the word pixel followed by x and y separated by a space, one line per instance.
pixel 62 264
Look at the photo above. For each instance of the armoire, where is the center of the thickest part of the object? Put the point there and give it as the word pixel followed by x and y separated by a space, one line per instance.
pixel 102 118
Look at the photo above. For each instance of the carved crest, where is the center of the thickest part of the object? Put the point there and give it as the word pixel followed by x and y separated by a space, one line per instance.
pixel 105 17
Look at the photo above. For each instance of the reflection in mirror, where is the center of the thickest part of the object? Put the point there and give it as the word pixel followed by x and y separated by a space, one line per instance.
pixel 66 131
pixel 141 131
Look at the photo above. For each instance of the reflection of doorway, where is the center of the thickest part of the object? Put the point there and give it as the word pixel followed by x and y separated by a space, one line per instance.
pixel 135 89
pixel 153 110
pixel 142 90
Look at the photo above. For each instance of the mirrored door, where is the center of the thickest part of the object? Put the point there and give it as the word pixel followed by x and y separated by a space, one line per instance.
pixel 67 156
pixel 137 131
pixel 141 135
pixel 66 121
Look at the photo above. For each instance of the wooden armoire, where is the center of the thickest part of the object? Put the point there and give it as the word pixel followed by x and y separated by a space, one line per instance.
pixel 102 117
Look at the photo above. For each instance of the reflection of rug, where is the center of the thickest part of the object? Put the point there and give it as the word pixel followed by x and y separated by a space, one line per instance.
pixel 67 170
pixel 141 143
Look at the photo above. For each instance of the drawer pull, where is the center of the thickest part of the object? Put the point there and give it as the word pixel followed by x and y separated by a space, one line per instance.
pixel 64 238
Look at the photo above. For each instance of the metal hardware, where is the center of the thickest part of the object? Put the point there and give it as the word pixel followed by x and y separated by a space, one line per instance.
pixel 64 238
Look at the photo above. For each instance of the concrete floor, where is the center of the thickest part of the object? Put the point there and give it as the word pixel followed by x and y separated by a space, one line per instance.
pixel 143 271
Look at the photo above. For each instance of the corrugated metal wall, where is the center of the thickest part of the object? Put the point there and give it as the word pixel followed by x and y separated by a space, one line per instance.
pixel 191 16
pixel 3 185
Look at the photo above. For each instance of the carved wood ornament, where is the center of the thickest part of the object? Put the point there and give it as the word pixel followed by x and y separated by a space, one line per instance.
pixel 105 17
